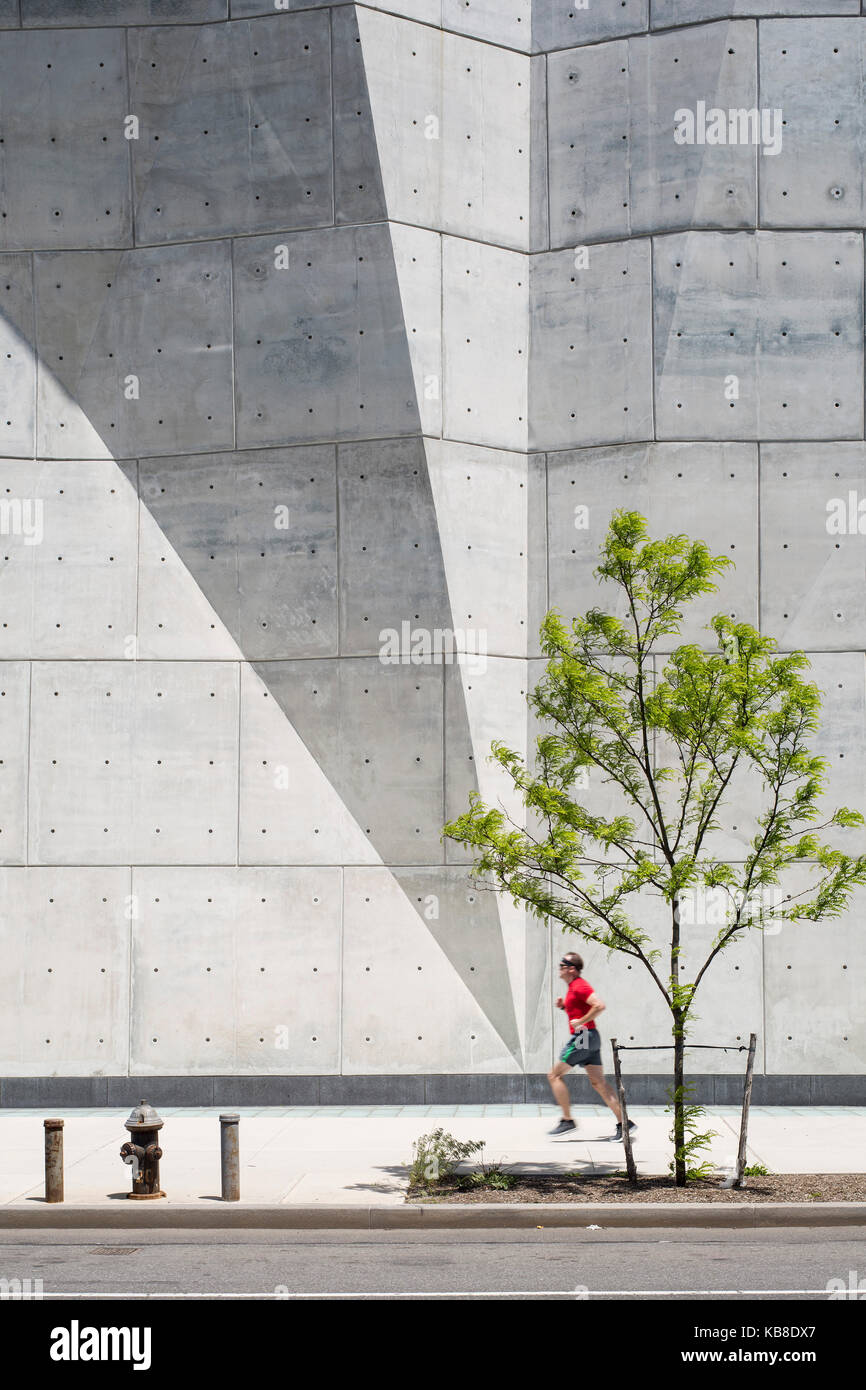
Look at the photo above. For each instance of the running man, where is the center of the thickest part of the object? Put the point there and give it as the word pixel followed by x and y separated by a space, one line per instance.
pixel 583 1049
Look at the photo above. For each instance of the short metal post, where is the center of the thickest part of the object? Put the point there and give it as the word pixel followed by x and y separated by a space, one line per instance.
pixel 230 1157
pixel 53 1160
pixel 744 1123
pixel 626 1136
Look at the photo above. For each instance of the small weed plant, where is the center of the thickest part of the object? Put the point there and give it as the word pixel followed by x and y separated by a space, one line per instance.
pixel 694 1140
pixel 437 1156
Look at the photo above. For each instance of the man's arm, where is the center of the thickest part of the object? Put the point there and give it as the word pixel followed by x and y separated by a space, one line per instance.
pixel 596 1006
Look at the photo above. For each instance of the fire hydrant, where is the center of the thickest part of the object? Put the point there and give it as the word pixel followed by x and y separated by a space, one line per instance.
pixel 143 1151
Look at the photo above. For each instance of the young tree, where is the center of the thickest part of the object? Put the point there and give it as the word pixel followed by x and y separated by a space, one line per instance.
pixel 673 734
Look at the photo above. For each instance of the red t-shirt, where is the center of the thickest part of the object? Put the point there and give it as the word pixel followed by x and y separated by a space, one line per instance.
pixel 575 1000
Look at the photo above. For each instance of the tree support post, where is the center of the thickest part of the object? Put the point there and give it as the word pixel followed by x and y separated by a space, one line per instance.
pixel 744 1123
pixel 626 1136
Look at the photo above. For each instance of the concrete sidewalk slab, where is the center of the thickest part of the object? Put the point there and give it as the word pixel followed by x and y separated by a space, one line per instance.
pixel 328 1157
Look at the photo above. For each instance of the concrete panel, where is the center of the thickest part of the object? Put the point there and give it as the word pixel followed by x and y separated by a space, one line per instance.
pixel 481 498
pixel 486 183
pixel 185 1091
pixel 85 1091
pixel 445 164
pixel 709 491
pixel 134 762
pixel 68 565
pixel 539 181
pixel 258 532
pixel 289 812
pixel 538 585
pixel 481 707
pixel 588 144
pixel 475 1090
pixel 391 568
pixel 812 546
pixel 682 186
pixel 65 158
pixel 590 370
pixel 812 70
pixel 358 190
pixel 773 316
pixel 392 970
pixel 418 261
pixel 507 25
pixel 81 762
pixel 615 166
pixel 486 344
pixel 17 336
pixel 562 24
pixel 9 14
pixel 465 922
pixel 841 736
pixel 372 1090
pixel 64 987
pixel 403 66
pixel 814 1021
pixel 175 619
pixel 185 774
pixel 14 746
pixel 84 12
pixel 707 310
pixel 376 733
pixel 670 12
pixel 235 127
pixel 538 995
pixel 217 956
pixel 266 1090
pixel 320 347
pixel 810 358
pixel 176 344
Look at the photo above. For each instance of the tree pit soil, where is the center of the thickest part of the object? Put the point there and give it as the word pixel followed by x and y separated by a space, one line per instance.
pixel 615 1187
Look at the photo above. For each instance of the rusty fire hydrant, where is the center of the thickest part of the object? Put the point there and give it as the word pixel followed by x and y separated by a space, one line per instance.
pixel 143 1151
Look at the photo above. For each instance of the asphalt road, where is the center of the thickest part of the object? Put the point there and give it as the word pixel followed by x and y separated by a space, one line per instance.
pixel 554 1264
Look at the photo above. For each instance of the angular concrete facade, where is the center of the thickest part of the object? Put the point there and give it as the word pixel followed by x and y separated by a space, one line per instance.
pixel 325 321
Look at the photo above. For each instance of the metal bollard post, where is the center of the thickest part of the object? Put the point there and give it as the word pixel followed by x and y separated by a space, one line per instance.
pixel 230 1157
pixel 53 1160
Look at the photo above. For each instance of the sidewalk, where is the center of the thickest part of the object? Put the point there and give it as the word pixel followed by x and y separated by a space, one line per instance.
pixel 330 1156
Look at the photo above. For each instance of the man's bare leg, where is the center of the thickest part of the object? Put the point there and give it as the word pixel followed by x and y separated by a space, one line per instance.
pixel 559 1088
pixel 603 1089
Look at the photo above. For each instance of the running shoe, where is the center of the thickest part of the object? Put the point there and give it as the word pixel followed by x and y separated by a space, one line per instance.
pixel 564 1127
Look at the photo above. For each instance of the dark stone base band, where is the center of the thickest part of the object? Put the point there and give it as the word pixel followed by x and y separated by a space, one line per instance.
pixel 20 1092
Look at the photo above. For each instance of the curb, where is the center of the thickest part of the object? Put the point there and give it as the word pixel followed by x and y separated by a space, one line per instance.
pixel 490 1216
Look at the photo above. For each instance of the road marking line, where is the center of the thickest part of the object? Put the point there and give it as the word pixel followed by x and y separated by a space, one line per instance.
pixel 447 1293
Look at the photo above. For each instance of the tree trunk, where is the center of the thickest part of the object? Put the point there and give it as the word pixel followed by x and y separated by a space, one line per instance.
pixel 679 1099
pixel 679 1031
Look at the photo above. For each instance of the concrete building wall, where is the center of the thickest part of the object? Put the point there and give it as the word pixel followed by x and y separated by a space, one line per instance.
pixel 298 352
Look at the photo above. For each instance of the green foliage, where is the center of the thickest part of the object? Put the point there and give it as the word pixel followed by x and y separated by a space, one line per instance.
pixel 756 1170
pixel 694 1140
pixel 436 1156
pixel 493 1176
